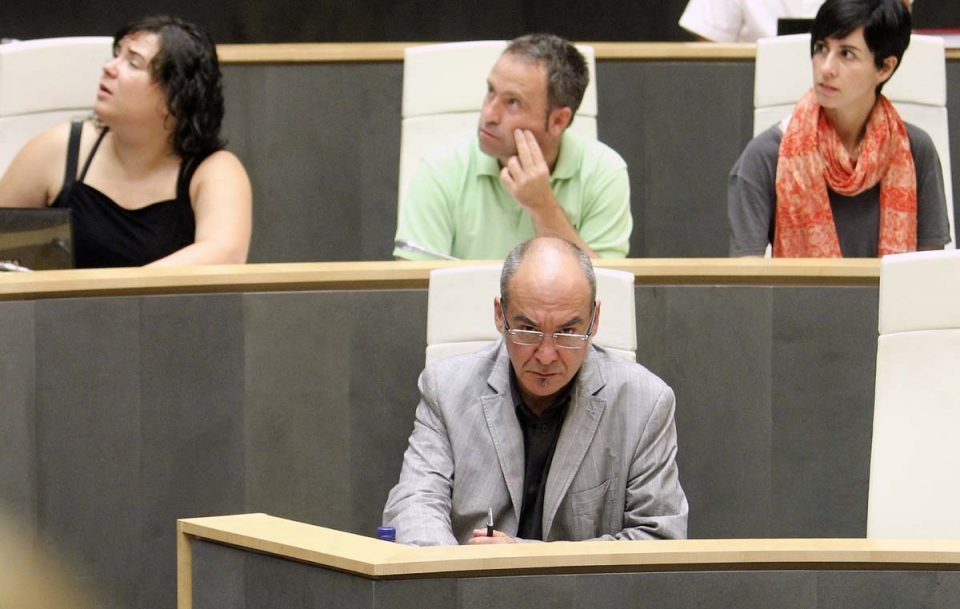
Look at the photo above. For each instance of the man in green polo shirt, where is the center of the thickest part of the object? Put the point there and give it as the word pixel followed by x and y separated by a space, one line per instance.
pixel 523 174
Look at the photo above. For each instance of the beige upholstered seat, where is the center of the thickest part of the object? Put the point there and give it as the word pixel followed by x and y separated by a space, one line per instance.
pixel 45 82
pixel 916 453
pixel 460 316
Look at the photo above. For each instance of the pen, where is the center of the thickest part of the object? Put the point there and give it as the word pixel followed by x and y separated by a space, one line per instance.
pixel 489 522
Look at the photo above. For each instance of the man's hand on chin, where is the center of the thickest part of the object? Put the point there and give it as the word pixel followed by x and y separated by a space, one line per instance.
pixel 527 175
pixel 480 536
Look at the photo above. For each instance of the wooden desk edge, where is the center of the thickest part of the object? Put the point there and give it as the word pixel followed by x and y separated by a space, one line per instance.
pixel 393 51
pixel 411 275
pixel 374 559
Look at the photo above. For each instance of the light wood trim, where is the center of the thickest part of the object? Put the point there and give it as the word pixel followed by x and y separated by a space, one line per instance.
pixel 312 52
pixel 393 51
pixel 749 271
pixel 215 279
pixel 373 558
pixel 184 569
pixel 672 51
pixel 410 275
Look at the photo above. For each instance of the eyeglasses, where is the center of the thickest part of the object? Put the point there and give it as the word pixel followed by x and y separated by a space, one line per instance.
pixel 562 340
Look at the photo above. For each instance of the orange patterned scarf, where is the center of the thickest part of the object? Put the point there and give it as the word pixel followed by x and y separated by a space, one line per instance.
pixel 812 158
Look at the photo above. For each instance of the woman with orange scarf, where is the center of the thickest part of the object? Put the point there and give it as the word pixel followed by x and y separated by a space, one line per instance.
pixel 843 175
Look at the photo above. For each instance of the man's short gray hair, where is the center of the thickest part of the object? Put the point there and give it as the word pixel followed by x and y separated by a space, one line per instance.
pixel 517 254
pixel 567 74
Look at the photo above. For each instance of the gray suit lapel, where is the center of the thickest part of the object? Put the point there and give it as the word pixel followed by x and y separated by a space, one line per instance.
pixel 498 410
pixel 583 418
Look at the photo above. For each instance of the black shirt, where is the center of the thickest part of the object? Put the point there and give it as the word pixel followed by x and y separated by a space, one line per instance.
pixel 107 235
pixel 540 436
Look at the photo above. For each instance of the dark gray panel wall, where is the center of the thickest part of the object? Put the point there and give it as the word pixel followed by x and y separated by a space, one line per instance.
pixel 713 346
pixel 297 405
pixel 386 360
pixel 818 402
pixel 191 423
pixel 679 126
pixel 774 404
pixel 330 396
pixel 88 438
pixel 322 141
pixel 18 439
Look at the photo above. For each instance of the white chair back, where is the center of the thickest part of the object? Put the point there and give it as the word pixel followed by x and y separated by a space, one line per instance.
pixel 45 82
pixel 443 90
pixel 915 456
pixel 460 316
pixel 918 89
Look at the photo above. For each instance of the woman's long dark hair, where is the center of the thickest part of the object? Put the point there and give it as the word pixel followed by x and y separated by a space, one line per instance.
pixel 187 69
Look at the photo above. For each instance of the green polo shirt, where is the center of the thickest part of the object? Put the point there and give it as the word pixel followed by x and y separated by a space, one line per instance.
pixel 457 204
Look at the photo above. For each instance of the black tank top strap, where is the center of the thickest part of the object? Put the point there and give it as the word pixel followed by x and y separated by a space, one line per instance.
pixel 93 151
pixel 73 153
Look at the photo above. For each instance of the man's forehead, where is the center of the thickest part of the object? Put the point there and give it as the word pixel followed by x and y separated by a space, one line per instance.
pixel 523 59
pixel 549 319
pixel 518 70
pixel 535 299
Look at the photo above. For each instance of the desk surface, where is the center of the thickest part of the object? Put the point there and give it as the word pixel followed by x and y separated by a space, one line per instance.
pixel 393 51
pixel 378 559
pixel 411 275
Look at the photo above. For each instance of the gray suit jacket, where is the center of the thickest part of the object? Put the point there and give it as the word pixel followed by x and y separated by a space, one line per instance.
pixel 613 476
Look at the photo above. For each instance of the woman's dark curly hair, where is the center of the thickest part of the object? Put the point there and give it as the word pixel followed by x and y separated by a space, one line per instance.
pixel 187 68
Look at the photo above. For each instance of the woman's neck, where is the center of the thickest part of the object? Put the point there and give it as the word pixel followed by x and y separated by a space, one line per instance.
pixel 140 151
pixel 850 123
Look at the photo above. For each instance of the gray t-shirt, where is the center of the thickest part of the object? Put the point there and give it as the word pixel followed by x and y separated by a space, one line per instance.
pixel 752 196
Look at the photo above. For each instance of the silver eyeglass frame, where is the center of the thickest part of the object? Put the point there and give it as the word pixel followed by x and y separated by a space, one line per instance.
pixel 514 333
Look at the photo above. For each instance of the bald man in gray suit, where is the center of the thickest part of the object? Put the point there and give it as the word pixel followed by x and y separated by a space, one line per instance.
pixel 559 438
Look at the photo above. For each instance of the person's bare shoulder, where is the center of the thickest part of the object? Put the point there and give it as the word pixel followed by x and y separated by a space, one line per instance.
pixel 35 176
pixel 220 172
pixel 221 160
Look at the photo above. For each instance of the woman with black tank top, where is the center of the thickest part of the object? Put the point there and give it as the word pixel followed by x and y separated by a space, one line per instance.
pixel 147 180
